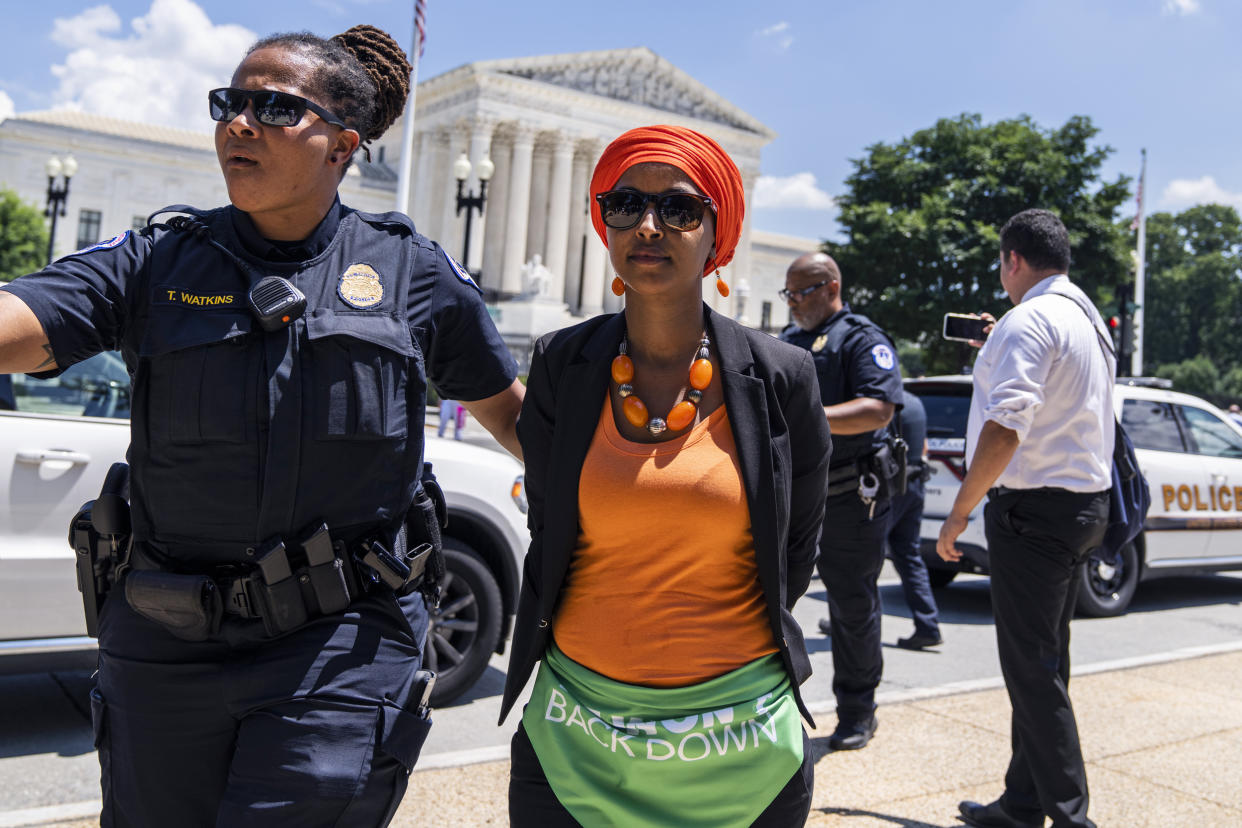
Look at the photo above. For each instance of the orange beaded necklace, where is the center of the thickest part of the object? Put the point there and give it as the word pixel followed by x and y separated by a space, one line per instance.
pixel 681 414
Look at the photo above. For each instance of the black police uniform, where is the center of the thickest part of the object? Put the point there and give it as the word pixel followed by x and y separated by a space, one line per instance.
pixel 241 436
pixel 906 521
pixel 853 358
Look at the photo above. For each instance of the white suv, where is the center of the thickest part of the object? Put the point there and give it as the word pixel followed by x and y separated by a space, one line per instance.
pixel 1189 451
pixel 58 438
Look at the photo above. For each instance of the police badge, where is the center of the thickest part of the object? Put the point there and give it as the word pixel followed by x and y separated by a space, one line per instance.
pixel 360 286
pixel 819 343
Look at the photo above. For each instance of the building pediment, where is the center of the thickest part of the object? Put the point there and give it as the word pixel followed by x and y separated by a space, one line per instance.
pixel 638 76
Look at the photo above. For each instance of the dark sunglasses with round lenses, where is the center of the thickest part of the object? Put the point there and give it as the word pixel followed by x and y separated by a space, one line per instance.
pixel 623 209
pixel 274 109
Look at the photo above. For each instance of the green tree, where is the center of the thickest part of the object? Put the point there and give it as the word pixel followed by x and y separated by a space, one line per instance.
pixel 910 356
pixel 1194 287
pixel 922 219
pixel 23 237
pixel 1194 376
pixel 1231 385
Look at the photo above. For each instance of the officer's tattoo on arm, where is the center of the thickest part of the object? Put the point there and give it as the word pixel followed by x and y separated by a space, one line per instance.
pixel 51 359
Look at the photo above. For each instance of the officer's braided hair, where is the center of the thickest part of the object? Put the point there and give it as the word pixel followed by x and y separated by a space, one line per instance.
pixel 362 76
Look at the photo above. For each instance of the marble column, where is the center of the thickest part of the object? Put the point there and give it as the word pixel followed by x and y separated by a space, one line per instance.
pixel 540 173
pixel 420 198
pixel 497 208
pixel 480 147
pixel 560 197
pixel 612 302
pixel 741 266
pixel 452 226
pixel 579 223
pixel 518 208
pixel 437 185
pixel 595 266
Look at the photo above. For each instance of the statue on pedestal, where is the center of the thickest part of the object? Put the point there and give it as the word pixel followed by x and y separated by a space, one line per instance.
pixel 536 279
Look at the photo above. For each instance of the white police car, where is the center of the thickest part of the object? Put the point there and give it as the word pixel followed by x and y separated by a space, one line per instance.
pixel 1189 450
pixel 58 438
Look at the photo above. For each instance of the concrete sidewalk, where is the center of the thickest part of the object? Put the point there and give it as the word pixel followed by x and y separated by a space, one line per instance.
pixel 1163 745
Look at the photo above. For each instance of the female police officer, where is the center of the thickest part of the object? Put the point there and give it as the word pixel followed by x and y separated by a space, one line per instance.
pixel 258 653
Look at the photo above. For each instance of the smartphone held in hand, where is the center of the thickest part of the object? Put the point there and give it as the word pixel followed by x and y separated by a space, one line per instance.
pixel 965 327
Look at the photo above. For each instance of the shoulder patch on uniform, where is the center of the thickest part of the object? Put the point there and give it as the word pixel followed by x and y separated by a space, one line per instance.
pixel 108 244
pixel 819 343
pixel 461 272
pixel 360 286
pixel 883 357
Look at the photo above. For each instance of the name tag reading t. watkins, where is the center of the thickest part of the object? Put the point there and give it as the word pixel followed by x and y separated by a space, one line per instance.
pixel 180 297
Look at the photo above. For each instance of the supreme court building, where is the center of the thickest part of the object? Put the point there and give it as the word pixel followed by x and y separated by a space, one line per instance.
pixel 543 122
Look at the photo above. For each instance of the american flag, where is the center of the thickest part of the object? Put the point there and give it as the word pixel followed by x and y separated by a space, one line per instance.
pixel 420 24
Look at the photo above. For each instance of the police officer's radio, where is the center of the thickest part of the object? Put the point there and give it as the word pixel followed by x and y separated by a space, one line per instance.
pixel 273 300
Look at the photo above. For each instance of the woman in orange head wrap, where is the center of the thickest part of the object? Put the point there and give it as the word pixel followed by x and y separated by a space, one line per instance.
pixel 676 471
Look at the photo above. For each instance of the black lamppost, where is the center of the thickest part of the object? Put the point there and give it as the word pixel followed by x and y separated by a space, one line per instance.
pixel 469 201
pixel 57 196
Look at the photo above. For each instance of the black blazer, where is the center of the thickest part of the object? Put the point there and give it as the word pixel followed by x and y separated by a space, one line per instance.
pixel 772 396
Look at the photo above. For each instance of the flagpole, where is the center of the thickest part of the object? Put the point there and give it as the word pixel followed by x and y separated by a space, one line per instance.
pixel 1136 358
pixel 405 171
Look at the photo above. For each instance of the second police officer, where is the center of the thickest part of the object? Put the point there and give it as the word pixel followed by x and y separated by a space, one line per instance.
pixel 260 646
pixel 860 387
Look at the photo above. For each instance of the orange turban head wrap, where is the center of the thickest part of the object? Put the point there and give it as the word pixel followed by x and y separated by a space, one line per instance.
pixel 699 157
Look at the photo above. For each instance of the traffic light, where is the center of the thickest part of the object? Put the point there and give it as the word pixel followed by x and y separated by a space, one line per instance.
pixel 1125 348
pixel 1114 328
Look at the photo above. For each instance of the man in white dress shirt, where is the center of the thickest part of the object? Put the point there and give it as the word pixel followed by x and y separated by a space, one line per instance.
pixel 1039 444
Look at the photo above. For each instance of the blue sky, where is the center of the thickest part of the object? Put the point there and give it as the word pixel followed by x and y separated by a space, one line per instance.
pixel 830 77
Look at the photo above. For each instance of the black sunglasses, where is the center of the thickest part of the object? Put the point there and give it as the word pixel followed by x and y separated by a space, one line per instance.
pixel 274 109
pixel 623 209
pixel 798 295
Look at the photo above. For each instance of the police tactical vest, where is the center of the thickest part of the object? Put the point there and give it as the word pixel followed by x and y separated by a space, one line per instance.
pixel 834 385
pixel 241 434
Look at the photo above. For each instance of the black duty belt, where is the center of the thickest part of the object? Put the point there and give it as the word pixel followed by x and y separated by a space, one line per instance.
pixel 842 479
pixel 282 587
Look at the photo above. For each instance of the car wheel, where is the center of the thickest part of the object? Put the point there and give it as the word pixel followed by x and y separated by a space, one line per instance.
pixel 465 628
pixel 1106 586
pixel 941 577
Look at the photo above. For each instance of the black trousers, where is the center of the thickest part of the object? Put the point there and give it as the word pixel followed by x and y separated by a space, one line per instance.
pixel 316 728
pixel 905 524
pixel 1036 538
pixel 532 803
pixel 851 554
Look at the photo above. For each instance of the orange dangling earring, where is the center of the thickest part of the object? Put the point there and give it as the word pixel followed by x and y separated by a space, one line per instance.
pixel 618 286
pixel 721 287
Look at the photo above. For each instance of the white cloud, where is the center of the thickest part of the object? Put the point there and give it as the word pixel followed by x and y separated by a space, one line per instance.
pixel 1186 192
pixel 798 192
pixel 777 35
pixel 157 73
pixel 6 105
pixel 1181 7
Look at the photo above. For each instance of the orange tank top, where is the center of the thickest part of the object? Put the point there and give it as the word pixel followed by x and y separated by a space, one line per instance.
pixel 663 588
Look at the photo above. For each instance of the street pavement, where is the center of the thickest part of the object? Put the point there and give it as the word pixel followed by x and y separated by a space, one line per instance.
pixel 1162 741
